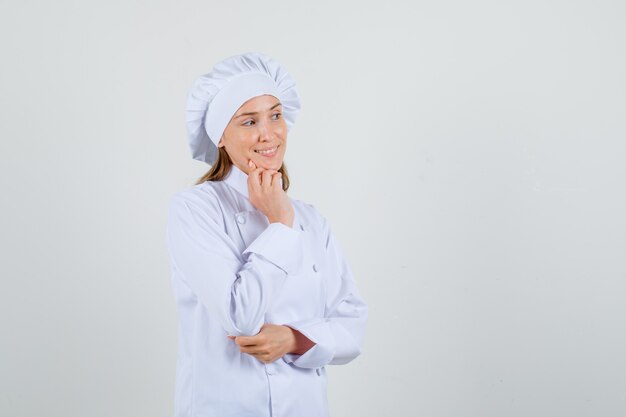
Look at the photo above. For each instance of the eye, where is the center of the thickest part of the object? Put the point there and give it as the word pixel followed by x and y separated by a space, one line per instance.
pixel 246 122
pixel 277 115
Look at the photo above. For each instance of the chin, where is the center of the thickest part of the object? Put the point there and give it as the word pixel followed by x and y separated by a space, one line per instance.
pixel 274 167
pixel 267 165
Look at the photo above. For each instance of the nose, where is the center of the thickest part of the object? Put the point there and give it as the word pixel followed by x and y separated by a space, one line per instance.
pixel 265 133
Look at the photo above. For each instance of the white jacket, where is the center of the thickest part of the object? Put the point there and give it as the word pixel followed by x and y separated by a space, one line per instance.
pixel 233 271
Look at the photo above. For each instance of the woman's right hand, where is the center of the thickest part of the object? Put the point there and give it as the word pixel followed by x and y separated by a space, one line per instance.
pixel 266 194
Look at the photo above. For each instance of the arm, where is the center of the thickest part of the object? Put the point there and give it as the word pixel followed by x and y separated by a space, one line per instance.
pixel 337 337
pixel 235 288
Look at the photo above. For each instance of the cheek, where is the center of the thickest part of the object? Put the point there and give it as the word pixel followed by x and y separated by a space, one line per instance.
pixel 282 136
pixel 239 151
pixel 246 144
pixel 283 129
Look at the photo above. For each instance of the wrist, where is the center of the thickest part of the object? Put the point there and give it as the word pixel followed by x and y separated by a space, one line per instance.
pixel 301 344
pixel 283 221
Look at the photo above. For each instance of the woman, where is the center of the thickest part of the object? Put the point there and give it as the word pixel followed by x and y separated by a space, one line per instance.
pixel 265 296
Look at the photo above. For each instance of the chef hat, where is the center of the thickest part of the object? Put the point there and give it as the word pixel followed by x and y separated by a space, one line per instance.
pixel 215 97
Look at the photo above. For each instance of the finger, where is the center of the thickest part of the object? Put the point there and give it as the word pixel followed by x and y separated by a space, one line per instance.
pixel 267 358
pixel 263 358
pixel 253 178
pixel 256 351
pixel 253 350
pixel 248 350
pixel 246 341
pixel 267 178
pixel 276 180
pixel 260 358
pixel 251 164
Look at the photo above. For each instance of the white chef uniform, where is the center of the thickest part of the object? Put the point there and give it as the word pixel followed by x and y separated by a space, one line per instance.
pixel 233 271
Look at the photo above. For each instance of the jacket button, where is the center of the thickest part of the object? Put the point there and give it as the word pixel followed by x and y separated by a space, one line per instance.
pixel 315 267
pixel 270 369
pixel 302 228
pixel 241 219
pixel 318 371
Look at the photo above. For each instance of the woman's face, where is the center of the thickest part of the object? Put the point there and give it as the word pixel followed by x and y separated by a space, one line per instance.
pixel 257 126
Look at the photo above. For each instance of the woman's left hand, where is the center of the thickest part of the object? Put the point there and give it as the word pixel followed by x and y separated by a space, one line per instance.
pixel 271 343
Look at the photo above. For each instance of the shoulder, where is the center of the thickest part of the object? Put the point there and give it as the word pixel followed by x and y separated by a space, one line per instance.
pixel 204 198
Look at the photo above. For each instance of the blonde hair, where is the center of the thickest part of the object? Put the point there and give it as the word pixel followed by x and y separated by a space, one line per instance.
pixel 220 169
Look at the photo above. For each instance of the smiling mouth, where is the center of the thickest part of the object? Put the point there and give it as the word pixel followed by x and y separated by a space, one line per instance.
pixel 268 151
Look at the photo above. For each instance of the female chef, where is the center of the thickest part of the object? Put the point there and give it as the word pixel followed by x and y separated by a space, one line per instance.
pixel 265 296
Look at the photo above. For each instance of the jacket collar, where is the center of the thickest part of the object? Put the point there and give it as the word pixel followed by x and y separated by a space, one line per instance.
pixel 238 179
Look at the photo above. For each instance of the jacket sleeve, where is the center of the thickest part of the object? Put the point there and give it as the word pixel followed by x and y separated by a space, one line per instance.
pixel 338 336
pixel 237 288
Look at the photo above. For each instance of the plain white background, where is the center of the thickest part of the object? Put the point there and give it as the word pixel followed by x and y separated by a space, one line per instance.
pixel 469 155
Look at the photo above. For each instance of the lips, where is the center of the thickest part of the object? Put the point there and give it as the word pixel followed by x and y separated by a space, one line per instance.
pixel 267 151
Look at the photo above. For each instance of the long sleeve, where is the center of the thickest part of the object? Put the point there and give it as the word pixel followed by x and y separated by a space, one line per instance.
pixel 237 288
pixel 338 336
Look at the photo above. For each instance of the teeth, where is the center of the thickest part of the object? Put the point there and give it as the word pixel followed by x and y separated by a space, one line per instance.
pixel 267 151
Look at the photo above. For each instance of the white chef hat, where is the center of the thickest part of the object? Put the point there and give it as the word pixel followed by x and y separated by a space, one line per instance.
pixel 215 97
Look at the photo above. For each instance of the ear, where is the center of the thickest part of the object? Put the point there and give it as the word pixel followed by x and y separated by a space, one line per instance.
pixel 220 144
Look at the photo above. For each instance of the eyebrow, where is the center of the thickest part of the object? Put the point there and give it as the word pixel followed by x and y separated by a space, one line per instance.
pixel 255 112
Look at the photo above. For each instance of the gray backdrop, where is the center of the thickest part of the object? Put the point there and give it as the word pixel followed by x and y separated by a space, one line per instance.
pixel 469 155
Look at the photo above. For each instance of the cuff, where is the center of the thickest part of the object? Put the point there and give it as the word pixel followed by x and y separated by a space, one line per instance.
pixel 318 331
pixel 281 245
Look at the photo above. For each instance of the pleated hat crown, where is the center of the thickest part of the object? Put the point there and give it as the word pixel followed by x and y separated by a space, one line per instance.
pixel 215 97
